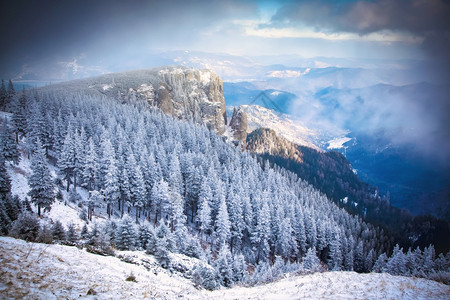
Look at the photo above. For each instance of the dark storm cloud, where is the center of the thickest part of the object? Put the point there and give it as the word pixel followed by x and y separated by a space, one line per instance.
pixel 428 20
pixel 35 31
pixel 416 16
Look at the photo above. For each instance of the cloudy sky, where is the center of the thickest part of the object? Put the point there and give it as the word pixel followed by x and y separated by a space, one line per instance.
pixel 105 31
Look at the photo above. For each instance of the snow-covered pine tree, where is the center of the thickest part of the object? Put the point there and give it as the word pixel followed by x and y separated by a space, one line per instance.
pixel 8 146
pixel 110 180
pixel 125 234
pixel 161 202
pixel 42 188
pixel 310 261
pixel 261 234
pixel 204 210
pixel 5 180
pixel 223 266
pixel 145 233
pixel 19 117
pixel 222 228
pixel 71 234
pixel 3 96
pixel 90 167
pixel 58 231
pixel 380 264
pixel 163 245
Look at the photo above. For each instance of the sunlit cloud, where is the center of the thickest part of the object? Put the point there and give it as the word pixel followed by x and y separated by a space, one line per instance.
pixel 385 36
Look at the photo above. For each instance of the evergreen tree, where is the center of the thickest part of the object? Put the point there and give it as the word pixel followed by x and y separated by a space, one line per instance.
pixel 222 231
pixel 110 181
pixel 3 96
pixel 145 234
pixel 161 200
pixel 260 238
pixel 163 245
pixel 239 268
pixel 4 219
pixel 380 264
pixel 72 234
pixel 45 234
pixel 396 264
pixel 90 168
pixel 204 211
pixel 125 235
pixel 236 220
pixel 205 276
pixel 223 266
pixel 19 117
pixel 42 188
pixel 84 231
pixel 8 146
pixel 5 180
pixel 286 242
pixel 263 273
pixel 311 261
pixel 26 227
pixel 58 232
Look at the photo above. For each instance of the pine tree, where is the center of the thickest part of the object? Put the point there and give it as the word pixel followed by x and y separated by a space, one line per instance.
pixel 236 220
pixel 223 266
pixel 263 273
pixel 4 219
pixel 5 180
pixel 380 264
pixel 311 261
pixel 42 188
pixel 396 264
pixel 163 245
pixel 145 234
pixel 260 238
pixel 90 167
pixel 222 231
pixel 204 211
pixel 205 276
pixel 45 234
pixel 335 262
pixel 66 160
pixel 239 268
pixel 110 181
pixel 286 242
pixel 161 201
pixel 84 231
pixel 25 227
pixel 125 235
pixel 3 96
pixel 8 146
pixel 58 232
pixel 19 118
pixel 358 263
pixel 72 235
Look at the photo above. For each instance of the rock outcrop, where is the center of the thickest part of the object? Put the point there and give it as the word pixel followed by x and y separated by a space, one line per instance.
pixel 266 141
pixel 187 94
pixel 238 125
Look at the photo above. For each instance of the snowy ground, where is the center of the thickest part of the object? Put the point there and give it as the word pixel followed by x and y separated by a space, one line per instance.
pixel 38 271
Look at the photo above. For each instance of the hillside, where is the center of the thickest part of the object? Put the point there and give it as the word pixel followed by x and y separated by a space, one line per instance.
pixel 332 174
pixel 30 270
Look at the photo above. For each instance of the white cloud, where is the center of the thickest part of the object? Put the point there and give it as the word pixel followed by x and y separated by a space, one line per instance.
pixel 385 36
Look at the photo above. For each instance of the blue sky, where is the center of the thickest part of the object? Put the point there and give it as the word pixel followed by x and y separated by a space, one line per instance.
pixel 42 31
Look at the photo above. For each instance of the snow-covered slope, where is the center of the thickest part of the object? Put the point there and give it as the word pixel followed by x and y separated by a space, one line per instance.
pixel 284 125
pixel 39 271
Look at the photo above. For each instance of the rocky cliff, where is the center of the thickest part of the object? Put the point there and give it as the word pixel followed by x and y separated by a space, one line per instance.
pixel 188 94
pixel 266 141
pixel 238 125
